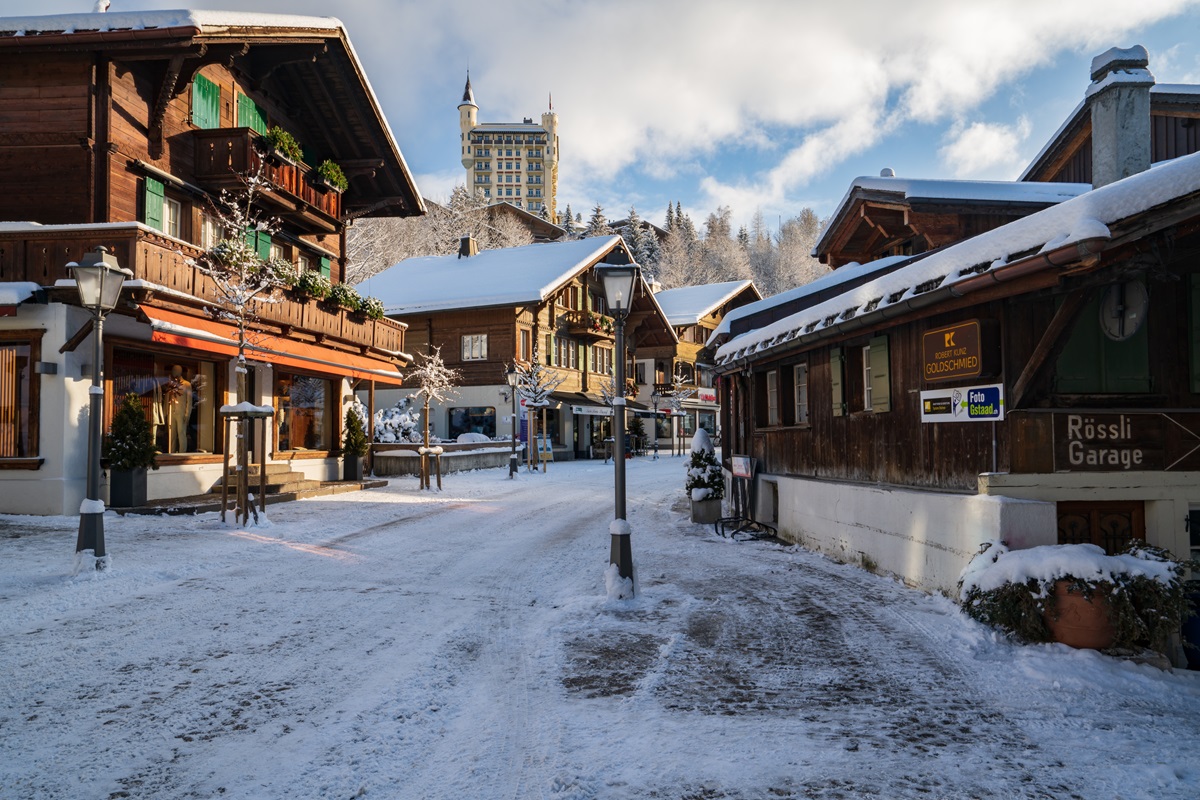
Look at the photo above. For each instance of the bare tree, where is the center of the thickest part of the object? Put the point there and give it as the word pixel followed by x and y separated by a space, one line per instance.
pixel 535 383
pixel 435 381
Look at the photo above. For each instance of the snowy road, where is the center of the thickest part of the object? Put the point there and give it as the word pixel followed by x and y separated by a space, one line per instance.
pixel 389 644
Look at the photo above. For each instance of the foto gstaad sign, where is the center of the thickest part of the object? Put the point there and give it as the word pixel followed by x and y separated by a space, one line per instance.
pixel 963 404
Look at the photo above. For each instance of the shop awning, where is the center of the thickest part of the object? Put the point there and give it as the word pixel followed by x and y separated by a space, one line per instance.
pixel 171 327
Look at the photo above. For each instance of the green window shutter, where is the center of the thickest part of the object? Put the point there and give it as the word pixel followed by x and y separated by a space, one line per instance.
pixel 263 245
pixel 206 103
pixel 881 384
pixel 1194 331
pixel 251 115
pixel 152 213
pixel 326 267
pixel 835 376
pixel 1091 363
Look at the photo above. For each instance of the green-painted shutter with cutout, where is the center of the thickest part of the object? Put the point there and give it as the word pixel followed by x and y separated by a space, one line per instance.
pixel 152 204
pixel 835 378
pixel 206 103
pixel 251 115
pixel 327 268
pixel 881 383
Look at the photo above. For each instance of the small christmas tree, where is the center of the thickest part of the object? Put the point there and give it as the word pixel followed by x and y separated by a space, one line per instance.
pixel 354 442
pixel 704 478
pixel 129 445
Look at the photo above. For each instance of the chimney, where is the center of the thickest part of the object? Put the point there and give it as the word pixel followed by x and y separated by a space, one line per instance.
pixel 467 247
pixel 1120 99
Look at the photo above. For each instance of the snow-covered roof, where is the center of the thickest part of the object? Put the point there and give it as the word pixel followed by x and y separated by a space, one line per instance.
pixel 687 305
pixel 14 293
pixel 843 274
pixel 955 191
pixel 1082 218
pixel 208 21
pixel 508 276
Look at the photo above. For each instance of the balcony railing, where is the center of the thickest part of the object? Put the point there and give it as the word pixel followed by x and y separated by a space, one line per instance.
pixel 588 325
pixel 41 256
pixel 224 155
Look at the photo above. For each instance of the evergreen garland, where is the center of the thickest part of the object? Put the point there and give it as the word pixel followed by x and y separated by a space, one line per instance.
pixel 129 445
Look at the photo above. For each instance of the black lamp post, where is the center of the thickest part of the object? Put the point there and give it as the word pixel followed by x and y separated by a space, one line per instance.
pixel 620 281
pixel 654 398
pixel 514 378
pixel 99 278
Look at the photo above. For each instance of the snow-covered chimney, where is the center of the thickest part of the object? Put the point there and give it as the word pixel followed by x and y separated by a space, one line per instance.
pixel 1120 99
pixel 467 247
pixel 887 172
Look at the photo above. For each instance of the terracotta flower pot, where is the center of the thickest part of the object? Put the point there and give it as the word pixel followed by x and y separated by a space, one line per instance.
pixel 1079 622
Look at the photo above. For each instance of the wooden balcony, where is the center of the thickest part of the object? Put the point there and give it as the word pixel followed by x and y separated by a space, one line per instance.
pixel 42 255
pixel 588 325
pixel 223 155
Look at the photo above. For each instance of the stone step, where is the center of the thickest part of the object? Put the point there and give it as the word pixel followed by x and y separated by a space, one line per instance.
pixel 206 503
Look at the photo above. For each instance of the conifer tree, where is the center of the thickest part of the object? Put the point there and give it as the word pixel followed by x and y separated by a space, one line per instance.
pixel 129 445
pixel 354 442
pixel 597 224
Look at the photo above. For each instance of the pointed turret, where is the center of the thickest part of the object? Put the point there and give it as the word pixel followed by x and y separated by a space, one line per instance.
pixel 468 114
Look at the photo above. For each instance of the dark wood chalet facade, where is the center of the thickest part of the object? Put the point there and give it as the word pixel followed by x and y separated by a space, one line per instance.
pixel 1037 382
pixel 123 130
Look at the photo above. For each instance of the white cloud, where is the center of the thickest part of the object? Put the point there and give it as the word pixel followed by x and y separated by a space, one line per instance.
pixel 986 150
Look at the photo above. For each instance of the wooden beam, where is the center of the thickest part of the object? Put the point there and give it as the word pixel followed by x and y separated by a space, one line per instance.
pixel 1052 341
pixel 81 334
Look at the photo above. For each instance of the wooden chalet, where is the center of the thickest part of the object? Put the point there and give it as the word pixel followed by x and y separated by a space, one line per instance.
pixel 694 312
pixel 1037 382
pixel 486 310
pixel 122 130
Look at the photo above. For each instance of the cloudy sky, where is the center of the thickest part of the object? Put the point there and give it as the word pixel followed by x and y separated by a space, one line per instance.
pixel 755 104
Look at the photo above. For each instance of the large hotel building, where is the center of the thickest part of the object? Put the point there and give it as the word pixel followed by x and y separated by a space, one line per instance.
pixel 511 162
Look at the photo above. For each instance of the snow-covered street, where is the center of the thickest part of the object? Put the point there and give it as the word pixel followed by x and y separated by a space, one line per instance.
pixel 400 644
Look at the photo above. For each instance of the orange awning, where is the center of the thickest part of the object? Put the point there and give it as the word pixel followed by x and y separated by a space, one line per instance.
pixel 171 327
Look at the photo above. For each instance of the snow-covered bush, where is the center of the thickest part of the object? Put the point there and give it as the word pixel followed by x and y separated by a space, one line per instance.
pixel 398 423
pixel 372 307
pixel 313 284
pixel 473 438
pixel 704 478
pixel 1013 589
pixel 344 295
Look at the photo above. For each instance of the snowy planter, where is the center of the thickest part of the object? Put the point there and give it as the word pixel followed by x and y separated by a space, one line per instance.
pixel 127 487
pixel 1078 595
pixel 705 484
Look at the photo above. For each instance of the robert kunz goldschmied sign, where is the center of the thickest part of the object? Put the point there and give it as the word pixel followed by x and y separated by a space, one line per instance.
pixel 958 351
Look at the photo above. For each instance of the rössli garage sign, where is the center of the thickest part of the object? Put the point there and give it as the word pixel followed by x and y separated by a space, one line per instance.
pixel 958 351
pixel 1090 442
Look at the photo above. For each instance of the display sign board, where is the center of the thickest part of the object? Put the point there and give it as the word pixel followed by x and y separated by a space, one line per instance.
pixel 963 404
pixel 591 411
pixel 706 394
pixel 1090 442
pixel 545 448
pixel 959 351
pixel 742 467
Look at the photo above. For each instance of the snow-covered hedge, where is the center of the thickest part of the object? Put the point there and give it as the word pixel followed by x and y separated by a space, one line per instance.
pixel 400 423
pixel 704 478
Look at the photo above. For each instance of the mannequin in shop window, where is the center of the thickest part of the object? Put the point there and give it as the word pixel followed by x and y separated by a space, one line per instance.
pixel 177 409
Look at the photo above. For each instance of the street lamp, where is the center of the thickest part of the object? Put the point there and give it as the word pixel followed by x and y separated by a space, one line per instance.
pixel 99 277
pixel 513 377
pixel 654 398
pixel 620 281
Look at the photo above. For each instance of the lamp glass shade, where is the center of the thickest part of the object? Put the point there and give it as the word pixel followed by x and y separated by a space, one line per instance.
pixel 513 377
pixel 619 284
pixel 99 278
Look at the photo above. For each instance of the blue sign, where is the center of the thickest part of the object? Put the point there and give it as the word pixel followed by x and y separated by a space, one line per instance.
pixel 963 404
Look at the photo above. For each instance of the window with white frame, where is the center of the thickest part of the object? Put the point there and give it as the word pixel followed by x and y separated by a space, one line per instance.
pixel 801 394
pixel 474 347
pixel 210 231
pixel 773 397
pixel 866 366
pixel 172 215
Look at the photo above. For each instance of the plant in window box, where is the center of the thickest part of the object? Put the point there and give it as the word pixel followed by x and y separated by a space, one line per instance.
pixel 354 443
pixel 313 284
pixel 606 324
pixel 329 176
pixel 282 272
pixel 705 483
pixel 344 296
pixel 129 450
pixel 1078 595
pixel 282 146
pixel 372 308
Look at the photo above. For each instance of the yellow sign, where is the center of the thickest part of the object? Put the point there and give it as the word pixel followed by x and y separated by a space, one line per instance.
pixel 952 353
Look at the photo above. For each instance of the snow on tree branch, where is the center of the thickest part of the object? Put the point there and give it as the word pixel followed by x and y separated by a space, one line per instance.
pixel 435 380
pixel 536 382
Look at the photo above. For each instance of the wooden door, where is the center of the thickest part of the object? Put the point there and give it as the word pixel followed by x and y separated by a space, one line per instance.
pixel 1109 524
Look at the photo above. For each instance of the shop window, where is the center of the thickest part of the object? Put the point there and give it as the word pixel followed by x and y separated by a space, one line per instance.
pixel 800 382
pixel 1093 362
pixel 708 421
pixel 304 412
pixel 19 393
pixel 206 103
pixel 472 419
pixel 474 347
pixel 178 395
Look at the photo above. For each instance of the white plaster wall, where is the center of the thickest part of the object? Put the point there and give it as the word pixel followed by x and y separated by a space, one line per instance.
pixel 923 537
pixel 438 413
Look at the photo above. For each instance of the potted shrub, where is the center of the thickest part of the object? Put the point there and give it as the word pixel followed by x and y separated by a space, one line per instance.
pixel 129 450
pixel 354 446
pixel 705 484
pixel 313 284
pixel 344 295
pixel 329 176
pixel 1078 595
pixel 372 307
pixel 282 146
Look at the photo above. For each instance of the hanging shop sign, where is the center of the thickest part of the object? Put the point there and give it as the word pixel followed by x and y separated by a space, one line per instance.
pixel 591 411
pixel 966 350
pixel 963 404
pixel 706 395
